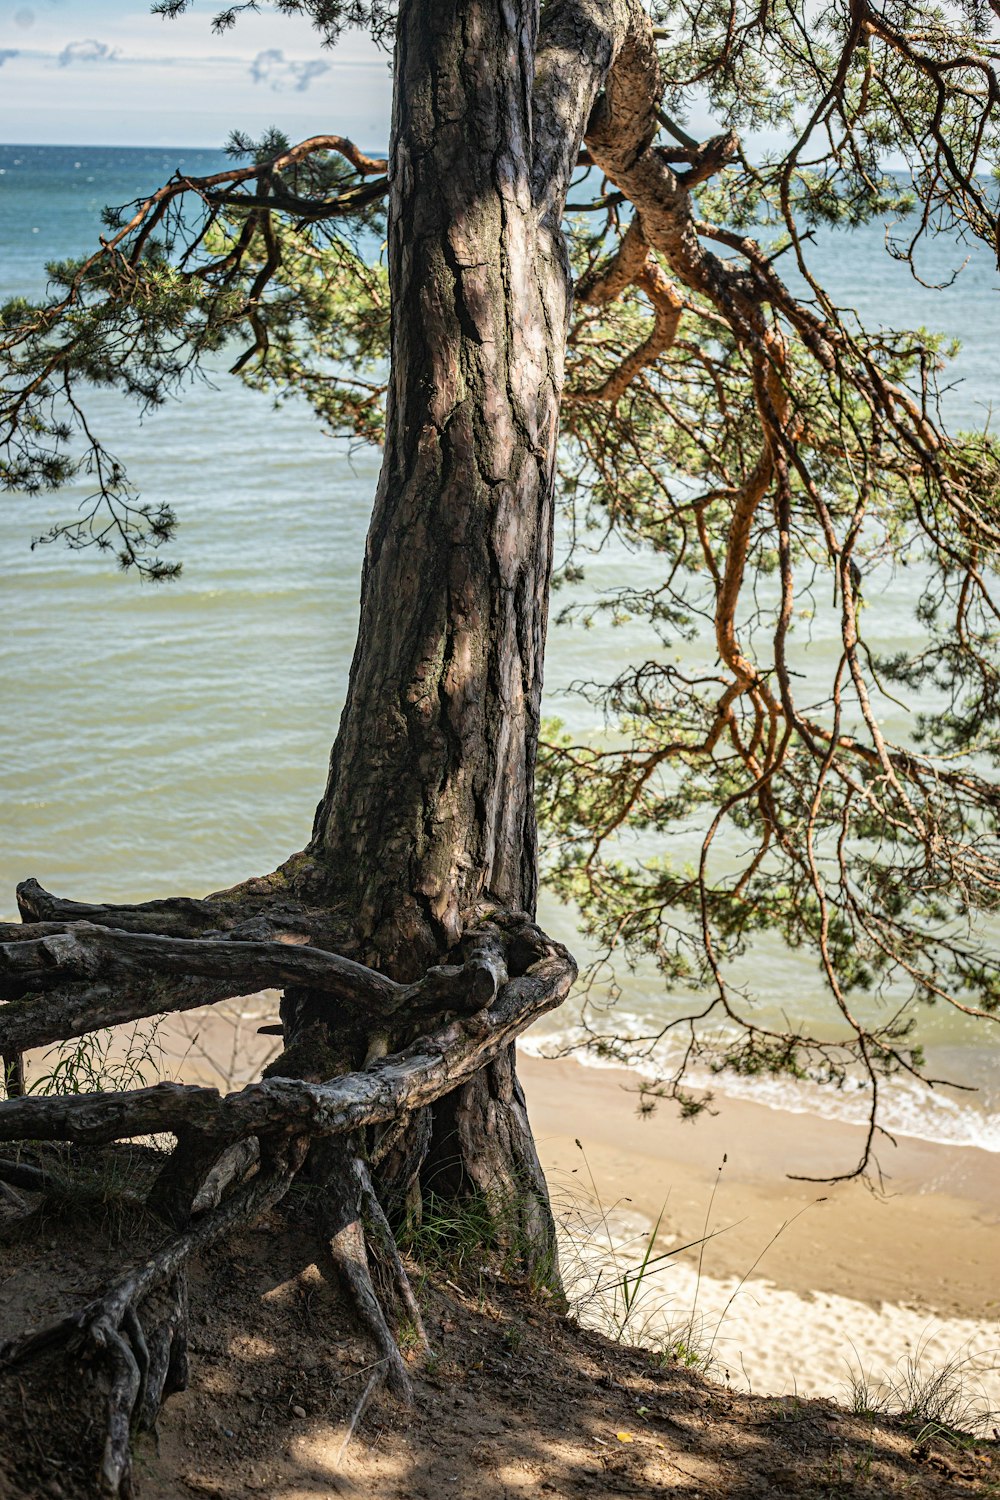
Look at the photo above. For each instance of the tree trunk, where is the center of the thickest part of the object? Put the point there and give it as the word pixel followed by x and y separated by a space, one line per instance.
pixel 426 829
pixel 429 811
pixel 429 802
pixel 424 845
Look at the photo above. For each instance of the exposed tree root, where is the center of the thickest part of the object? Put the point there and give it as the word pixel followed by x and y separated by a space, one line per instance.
pixel 277 902
pixel 167 1369
pixel 22 1174
pixel 267 1188
pixel 381 1237
pixel 180 916
pixel 83 978
pixel 431 1066
pixel 341 1211
pixel 235 1163
pixel 144 1367
pixel 79 968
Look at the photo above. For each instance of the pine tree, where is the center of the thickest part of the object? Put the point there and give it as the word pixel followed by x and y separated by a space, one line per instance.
pixel 639 355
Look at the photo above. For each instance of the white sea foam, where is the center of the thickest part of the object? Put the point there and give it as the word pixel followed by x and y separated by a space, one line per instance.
pixel 906 1106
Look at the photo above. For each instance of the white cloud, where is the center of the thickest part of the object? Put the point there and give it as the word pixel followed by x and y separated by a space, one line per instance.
pixel 87 52
pixel 6 53
pixel 281 73
pixel 176 84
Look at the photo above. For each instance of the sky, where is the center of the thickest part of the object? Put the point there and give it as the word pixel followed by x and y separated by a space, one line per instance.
pixel 106 72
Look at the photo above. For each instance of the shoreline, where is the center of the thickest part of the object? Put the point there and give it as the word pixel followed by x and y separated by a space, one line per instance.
pixel 836 1276
pixel 931 1240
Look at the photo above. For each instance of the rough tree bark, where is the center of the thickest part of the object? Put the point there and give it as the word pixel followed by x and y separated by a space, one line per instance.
pixel 403 935
pixel 429 809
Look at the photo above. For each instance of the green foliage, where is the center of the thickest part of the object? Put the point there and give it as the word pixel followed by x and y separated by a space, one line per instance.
pixel 99 1063
pixel 477 1235
pixel 931 1399
pixel 778 810
pixel 103 1190
pixel 184 279
pixel 330 17
pixel 781 462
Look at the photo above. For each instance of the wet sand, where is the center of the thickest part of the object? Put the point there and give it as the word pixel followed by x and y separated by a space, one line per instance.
pixel 800 1282
pixel 807 1281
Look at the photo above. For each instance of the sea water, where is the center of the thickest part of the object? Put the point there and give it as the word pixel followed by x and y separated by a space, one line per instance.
pixel 174 739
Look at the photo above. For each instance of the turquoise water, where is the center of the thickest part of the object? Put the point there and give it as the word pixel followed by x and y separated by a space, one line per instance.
pixel 171 739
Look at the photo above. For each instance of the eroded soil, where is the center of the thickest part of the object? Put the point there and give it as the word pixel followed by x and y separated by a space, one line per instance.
pixel 516 1399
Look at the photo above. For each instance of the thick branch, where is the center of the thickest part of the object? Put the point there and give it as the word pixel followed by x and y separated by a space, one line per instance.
pixel 634 264
pixel 620 272
pixel 85 978
pixel 578 43
pixel 430 1067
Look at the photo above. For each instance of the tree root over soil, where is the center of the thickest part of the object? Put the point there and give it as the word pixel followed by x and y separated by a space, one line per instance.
pixel 71 969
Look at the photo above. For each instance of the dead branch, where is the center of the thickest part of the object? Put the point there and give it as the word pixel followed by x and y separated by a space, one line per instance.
pixel 85 978
pixel 433 1065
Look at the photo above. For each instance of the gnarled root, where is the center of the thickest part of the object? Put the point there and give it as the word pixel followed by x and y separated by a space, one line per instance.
pixel 342 1217
pixel 291 899
pixel 79 968
pixel 382 1239
pixel 143 1368
pixel 81 977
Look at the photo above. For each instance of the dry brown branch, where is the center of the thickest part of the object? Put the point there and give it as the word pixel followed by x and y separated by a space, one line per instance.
pixel 86 978
pixel 430 1067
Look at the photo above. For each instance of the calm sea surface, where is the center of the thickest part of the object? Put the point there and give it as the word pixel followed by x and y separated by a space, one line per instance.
pixel 175 739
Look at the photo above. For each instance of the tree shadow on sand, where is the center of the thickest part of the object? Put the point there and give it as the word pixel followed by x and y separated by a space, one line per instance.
pixel 514 1400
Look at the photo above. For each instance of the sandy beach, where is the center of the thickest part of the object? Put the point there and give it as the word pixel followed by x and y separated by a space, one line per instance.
pixel 801 1282
pixel 854 1279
